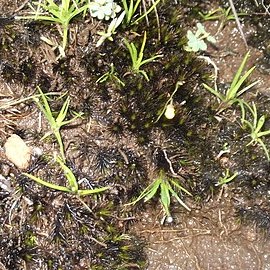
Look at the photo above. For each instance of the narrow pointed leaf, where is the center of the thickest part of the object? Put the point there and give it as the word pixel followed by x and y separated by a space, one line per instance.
pixel 152 191
pixel 165 197
pixel 47 184
pixel 85 192
pixel 69 176
pixel 178 199
pixel 214 92
pixel 239 71
pixel 260 124
pixel 264 148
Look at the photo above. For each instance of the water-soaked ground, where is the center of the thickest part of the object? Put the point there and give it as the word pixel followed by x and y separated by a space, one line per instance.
pixel 211 237
pixel 120 142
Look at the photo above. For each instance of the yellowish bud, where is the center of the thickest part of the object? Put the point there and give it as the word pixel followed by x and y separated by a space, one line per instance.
pixel 170 111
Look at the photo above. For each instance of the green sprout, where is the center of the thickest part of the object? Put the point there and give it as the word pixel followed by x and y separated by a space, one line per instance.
pixel 111 29
pixel 226 178
pixel 55 123
pixel 196 41
pixel 256 126
pixel 137 59
pixel 73 186
pixel 218 14
pixel 236 90
pixel 131 9
pixel 110 75
pixel 60 14
pixel 167 187
pixel 221 14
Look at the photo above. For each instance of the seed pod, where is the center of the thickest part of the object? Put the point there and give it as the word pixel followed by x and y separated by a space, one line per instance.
pixel 170 111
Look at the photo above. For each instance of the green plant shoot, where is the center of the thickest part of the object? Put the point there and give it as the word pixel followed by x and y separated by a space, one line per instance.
pixel 55 123
pixel 137 58
pixel 169 102
pixel 110 75
pixel 72 187
pixel 131 8
pixel 226 178
pixel 167 188
pixel 235 91
pixel 221 14
pixel 256 127
pixel 60 14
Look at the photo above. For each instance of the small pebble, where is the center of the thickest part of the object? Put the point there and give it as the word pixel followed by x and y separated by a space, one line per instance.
pixel 17 151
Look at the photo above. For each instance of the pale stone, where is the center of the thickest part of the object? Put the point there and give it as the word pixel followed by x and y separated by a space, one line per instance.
pixel 17 151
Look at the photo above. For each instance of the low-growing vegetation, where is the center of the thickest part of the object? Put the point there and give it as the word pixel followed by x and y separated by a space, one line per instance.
pixel 124 116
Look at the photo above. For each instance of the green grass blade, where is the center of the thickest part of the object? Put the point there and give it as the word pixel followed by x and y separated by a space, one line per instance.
pixel 130 11
pixel 69 176
pixel 39 18
pixel 143 194
pixel 180 187
pixel 144 74
pixel 147 12
pixel 47 184
pixel 140 58
pixel 233 91
pixel 255 115
pixel 260 124
pixel 152 191
pixel 178 199
pixel 214 92
pixel 165 197
pixel 65 5
pixel 134 54
pixel 239 71
pixel 150 59
pixel 263 133
pixel 60 143
pixel 264 148
pixel 82 192
pixel 63 113
pixel 248 123
pixel 45 108
pixel 124 2
pixel 239 93
pixel 136 5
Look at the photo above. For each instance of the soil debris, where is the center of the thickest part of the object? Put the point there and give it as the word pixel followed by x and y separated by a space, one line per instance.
pixel 17 151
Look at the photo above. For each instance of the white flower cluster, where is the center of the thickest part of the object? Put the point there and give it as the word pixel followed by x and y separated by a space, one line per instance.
pixel 104 9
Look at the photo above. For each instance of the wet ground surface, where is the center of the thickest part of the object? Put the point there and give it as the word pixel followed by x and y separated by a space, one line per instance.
pixel 120 143
pixel 211 237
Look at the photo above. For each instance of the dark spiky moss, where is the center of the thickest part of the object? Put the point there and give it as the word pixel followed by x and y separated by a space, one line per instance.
pixel 88 238
pixel 68 235
pixel 257 215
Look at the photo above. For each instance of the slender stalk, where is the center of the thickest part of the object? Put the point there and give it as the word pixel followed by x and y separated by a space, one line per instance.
pixel 238 22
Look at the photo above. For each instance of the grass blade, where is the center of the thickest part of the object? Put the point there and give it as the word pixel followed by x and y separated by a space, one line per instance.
pixel 86 192
pixel 239 71
pixel 214 92
pixel 47 184
pixel 165 197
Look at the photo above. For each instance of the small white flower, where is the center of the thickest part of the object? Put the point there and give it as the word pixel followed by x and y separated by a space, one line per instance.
pixel 104 9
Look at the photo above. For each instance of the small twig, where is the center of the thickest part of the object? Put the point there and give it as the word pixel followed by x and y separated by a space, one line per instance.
pixel 238 22
pixel 266 8
pixel 169 162
pixel 21 6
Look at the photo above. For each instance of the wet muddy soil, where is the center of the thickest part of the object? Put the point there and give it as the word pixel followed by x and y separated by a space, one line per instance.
pixel 123 141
